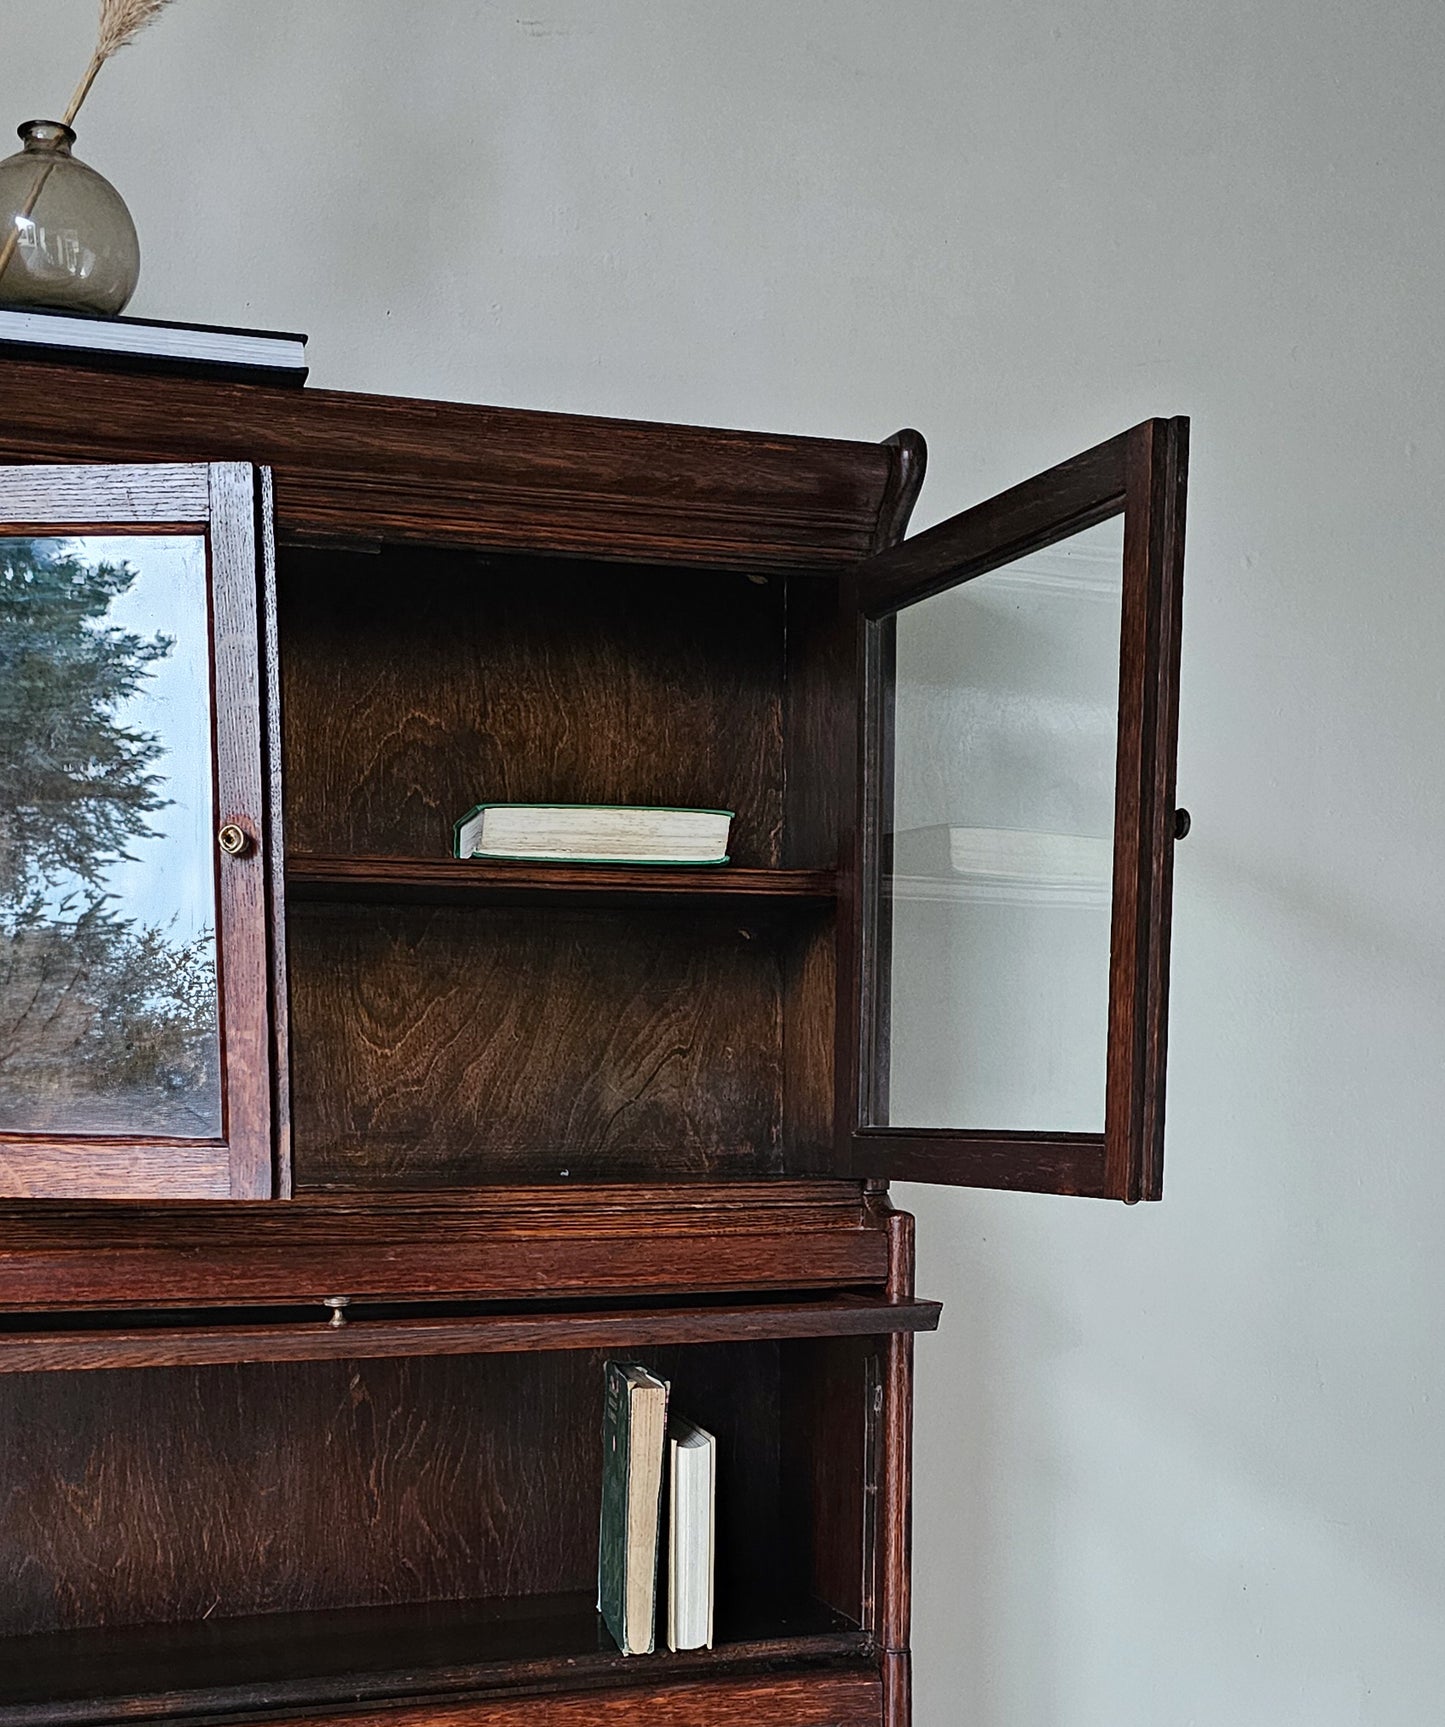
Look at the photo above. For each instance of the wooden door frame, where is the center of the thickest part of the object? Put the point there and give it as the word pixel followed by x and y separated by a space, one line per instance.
pixel 220 500
pixel 1140 474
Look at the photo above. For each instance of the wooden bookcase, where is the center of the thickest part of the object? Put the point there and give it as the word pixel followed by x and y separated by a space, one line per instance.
pixel 521 1117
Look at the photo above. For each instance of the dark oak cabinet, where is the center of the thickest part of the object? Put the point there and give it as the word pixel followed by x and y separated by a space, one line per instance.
pixel 334 1168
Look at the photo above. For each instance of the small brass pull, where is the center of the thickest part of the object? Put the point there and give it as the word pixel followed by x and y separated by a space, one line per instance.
pixel 234 840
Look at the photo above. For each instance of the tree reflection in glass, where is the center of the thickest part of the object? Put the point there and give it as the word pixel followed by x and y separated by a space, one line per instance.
pixel 108 994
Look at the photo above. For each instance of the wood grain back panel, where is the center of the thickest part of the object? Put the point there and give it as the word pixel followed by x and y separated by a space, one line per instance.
pixel 419 683
pixel 166 1496
pixel 437 1044
pixel 136 1497
pixel 828 1467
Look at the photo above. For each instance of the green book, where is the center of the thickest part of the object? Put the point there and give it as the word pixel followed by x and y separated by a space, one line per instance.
pixel 634 1428
pixel 594 834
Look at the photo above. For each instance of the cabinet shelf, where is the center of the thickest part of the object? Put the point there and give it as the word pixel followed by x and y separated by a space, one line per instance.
pixel 206 1343
pixel 453 881
pixel 439 1649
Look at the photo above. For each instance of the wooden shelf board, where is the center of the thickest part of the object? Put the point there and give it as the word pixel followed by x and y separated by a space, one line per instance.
pixel 475 881
pixel 302 1660
pixel 207 1343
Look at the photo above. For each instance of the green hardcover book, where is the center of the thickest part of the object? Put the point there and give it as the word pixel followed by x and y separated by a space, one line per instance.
pixel 593 834
pixel 634 1428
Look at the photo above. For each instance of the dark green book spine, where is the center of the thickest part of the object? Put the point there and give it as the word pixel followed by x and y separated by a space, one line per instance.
pixel 612 1536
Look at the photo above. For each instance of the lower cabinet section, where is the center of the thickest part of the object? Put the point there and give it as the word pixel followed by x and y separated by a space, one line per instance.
pixel 150 1508
pixel 843 1699
pixel 270 1519
pixel 277 1541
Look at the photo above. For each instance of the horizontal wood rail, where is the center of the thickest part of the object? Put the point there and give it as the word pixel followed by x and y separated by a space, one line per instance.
pixel 534 1659
pixel 475 880
pixel 503 1243
pixel 362 468
pixel 773 1700
pixel 205 1344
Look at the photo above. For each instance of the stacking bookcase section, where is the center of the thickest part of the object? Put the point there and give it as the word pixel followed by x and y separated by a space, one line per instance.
pixel 455 1023
pixel 281 1535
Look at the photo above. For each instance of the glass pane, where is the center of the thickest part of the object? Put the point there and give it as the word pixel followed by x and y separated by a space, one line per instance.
pixel 1001 838
pixel 108 999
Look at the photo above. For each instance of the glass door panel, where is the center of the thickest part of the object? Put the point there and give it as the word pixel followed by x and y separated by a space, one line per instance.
pixel 1006 973
pixel 999 848
pixel 109 1007
pixel 134 1001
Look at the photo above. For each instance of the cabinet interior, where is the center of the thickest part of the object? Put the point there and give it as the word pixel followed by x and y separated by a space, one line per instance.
pixel 167 1527
pixel 687 1039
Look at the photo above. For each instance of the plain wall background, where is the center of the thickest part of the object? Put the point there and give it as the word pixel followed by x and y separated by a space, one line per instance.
pixel 1179 1464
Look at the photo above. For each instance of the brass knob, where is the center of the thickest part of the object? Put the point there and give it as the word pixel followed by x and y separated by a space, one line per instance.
pixel 234 840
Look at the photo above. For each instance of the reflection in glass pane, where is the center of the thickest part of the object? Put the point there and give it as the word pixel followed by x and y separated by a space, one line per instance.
pixel 1001 840
pixel 108 996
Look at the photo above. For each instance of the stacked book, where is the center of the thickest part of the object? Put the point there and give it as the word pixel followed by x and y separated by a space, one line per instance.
pixel 594 834
pixel 651 1461
pixel 153 345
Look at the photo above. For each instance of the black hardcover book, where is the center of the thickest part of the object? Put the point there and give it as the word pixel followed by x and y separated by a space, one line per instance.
pixel 153 345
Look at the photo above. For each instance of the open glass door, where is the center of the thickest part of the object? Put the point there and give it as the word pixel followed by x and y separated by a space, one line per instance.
pixel 134 999
pixel 1012 868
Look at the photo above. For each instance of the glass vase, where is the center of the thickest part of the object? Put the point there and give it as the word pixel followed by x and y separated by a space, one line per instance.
pixel 66 238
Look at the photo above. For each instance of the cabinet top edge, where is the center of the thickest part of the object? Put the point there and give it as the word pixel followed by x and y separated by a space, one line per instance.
pixel 57 393
pixel 490 477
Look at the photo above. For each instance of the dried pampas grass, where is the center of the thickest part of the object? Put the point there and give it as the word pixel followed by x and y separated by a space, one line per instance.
pixel 121 21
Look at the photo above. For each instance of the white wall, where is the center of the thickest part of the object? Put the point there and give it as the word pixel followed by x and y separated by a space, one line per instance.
pixel 1181 1464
